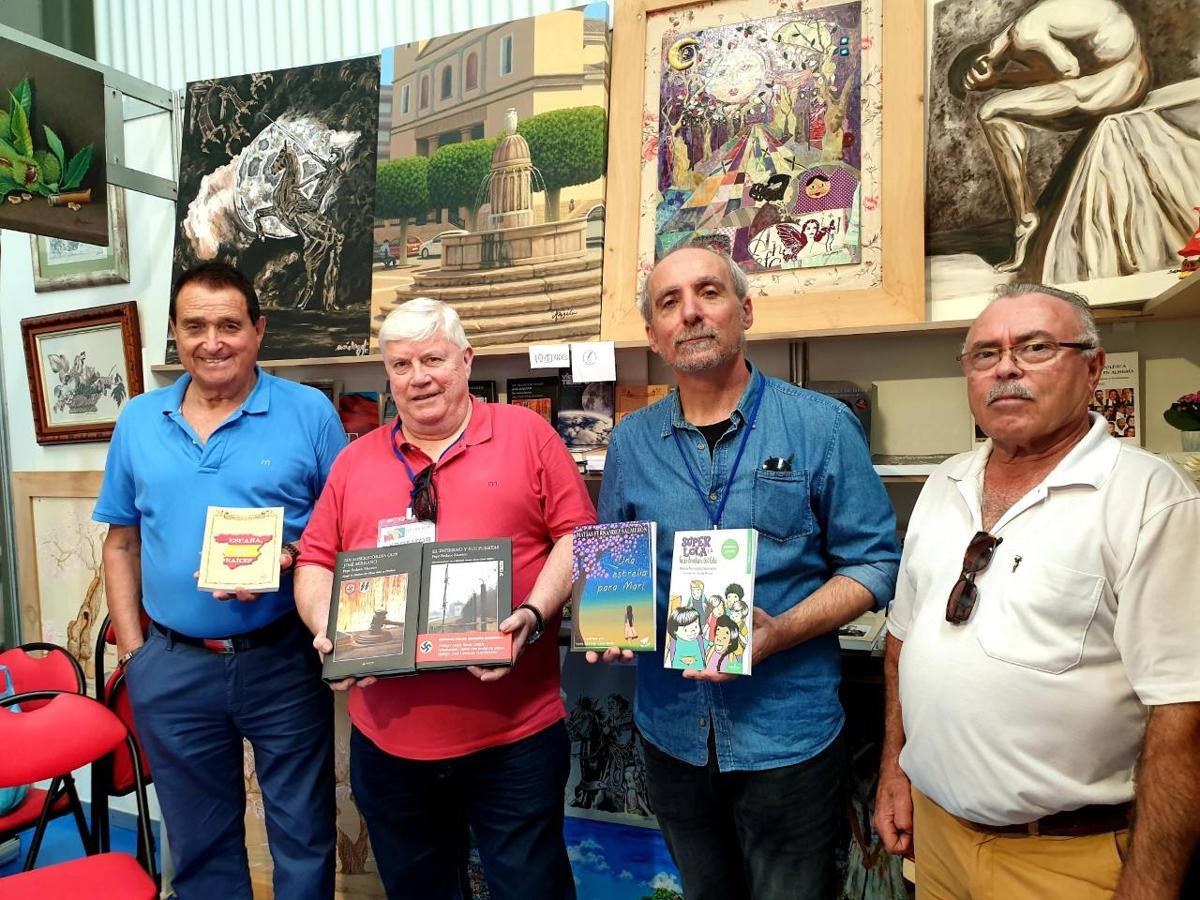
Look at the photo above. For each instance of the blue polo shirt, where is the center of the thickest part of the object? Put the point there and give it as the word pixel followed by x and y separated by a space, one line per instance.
pixel 827 515
pixel 274 450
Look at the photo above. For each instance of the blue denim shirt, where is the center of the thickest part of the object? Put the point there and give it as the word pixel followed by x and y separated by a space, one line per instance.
pixel 828 516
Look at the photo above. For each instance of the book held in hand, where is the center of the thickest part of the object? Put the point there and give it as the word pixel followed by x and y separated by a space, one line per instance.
pixel 241 549
pixel 405 608
pixel 613 596
pixel 710 605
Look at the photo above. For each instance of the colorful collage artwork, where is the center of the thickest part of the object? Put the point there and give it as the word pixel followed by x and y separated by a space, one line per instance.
pixel 760 139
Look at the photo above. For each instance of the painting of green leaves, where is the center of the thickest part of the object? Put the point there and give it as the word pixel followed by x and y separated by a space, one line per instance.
pixel 52 179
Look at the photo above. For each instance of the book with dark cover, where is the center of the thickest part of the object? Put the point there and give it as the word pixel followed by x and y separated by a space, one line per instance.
pixel 585 413
pixel 401 609
pixel 484 390
pixel 539 394
pixel 613 593
pixel 467 594
pixel 373 612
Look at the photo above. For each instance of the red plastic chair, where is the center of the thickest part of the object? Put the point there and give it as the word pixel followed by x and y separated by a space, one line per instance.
pixel 56 733
pixel 113 776
pixel 38 667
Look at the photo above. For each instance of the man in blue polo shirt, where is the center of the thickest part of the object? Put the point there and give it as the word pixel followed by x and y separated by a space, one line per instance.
pixel 745 774
pixel 217 668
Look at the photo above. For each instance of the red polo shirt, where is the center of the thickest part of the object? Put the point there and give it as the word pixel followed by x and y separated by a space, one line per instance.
pixel 509 476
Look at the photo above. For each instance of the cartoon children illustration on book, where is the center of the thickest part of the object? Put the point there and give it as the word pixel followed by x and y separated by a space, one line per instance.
pixel 726 642
pixel 714 609
pixel 683 640
pixel 739 611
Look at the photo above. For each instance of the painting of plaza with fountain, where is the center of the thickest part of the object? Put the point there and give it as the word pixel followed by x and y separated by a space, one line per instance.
pixel 489 194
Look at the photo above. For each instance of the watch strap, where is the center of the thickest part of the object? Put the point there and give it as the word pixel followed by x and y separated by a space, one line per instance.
pixel 539 626
pixel 126 657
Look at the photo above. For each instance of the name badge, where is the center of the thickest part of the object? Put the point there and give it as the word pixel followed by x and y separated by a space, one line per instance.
pixel 404 530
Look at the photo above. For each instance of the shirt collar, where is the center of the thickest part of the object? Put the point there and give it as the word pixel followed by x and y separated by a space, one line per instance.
pixel 479 429
pixel 256 402
pixel 1089 462
pixel 738 416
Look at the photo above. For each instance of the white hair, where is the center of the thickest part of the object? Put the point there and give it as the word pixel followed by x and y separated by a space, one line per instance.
pixel 1088 332
pixel 421 318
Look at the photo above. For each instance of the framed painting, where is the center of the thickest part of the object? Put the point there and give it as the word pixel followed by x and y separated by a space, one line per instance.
pixel 763 127
pixel 1038 173
pixel 83 365
pixel 58 545
pixel 60 264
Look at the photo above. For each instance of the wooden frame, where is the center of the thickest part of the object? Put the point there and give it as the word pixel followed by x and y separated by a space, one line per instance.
pixel 900 298
pixel 76 398
pixel 28 487
pixel 111 267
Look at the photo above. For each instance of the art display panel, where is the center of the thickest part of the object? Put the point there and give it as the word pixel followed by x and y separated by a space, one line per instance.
pixel 277 178
pixel 1078 166
pixel 764 129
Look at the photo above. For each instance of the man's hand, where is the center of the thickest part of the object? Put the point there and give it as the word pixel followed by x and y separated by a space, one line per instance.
pixel 611 655
pixel 894 811
pixel 764 641
pixel 324 646
pixel 519 624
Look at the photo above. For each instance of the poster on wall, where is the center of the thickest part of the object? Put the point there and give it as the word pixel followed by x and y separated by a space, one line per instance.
pixel 1076 165
pixel 608 771
pixel 491 169
pixel 762 133
pixel 52 171
pixel 276 177
pixel 1118 397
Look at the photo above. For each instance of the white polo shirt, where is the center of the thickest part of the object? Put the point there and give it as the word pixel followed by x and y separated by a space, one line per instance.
pixel 1088 613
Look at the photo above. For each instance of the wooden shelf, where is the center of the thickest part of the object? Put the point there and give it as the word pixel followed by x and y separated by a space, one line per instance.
pixel 1180 300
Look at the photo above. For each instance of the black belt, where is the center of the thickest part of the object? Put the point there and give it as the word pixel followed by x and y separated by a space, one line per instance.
pixel 237 643
pixel 1094 819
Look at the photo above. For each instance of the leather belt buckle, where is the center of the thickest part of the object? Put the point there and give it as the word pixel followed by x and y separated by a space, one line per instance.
pixel 218 645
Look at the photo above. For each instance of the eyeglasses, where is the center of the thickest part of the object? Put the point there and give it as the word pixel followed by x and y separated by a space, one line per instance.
pixel 964 593
pixel 423 497
pixel 1030 353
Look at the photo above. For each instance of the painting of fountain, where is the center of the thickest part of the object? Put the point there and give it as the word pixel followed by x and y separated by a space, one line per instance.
pixel 519 281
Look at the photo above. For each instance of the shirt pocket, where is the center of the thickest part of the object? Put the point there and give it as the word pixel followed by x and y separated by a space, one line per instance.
pixel 1038 618
pixel 781 510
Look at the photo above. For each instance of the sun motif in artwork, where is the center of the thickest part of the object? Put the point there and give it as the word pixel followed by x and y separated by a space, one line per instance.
pixel 737 76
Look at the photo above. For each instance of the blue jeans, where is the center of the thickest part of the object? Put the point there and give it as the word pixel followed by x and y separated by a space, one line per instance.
pixel 766 834
pixel 192 709
pixel 511 797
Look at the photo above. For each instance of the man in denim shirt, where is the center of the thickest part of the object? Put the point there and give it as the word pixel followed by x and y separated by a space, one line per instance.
pixel 746 774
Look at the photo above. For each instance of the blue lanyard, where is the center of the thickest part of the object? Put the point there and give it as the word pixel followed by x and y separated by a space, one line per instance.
pixel 400 456
pixel 715 518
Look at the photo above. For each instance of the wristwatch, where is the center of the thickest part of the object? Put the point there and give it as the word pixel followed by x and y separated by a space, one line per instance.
pixel 539 624
pixel 292 550
pixel 126 657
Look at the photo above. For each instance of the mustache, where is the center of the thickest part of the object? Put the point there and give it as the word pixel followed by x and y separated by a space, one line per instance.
pixel 694 333
pixel 1002 389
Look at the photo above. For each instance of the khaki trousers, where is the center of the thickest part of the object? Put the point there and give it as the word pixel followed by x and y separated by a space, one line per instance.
pixel 955 862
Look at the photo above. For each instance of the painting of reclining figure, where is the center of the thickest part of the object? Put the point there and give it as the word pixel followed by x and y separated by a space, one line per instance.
pixel 277 178
pixel 1063 144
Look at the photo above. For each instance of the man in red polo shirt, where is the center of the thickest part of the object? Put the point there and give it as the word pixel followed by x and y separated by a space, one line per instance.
pixel 433 753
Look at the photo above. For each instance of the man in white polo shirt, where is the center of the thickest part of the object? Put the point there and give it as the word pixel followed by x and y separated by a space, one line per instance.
pixel 1043 659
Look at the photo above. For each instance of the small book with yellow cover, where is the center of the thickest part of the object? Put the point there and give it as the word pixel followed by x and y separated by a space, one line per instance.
pixel 241 549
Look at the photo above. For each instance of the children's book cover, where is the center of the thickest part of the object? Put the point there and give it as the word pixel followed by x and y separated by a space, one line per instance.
pixel 711 601
pixel 613 594
pixel 241 549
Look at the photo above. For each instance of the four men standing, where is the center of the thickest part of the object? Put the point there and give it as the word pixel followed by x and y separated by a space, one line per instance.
pixel 1018 682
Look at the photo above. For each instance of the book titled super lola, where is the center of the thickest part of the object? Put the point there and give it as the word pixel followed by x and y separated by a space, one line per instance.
pixel 415 607
pixel 710 606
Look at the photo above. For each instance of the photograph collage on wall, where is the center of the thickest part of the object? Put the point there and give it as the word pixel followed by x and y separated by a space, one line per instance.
pixel 1082 179
pixel 277 178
